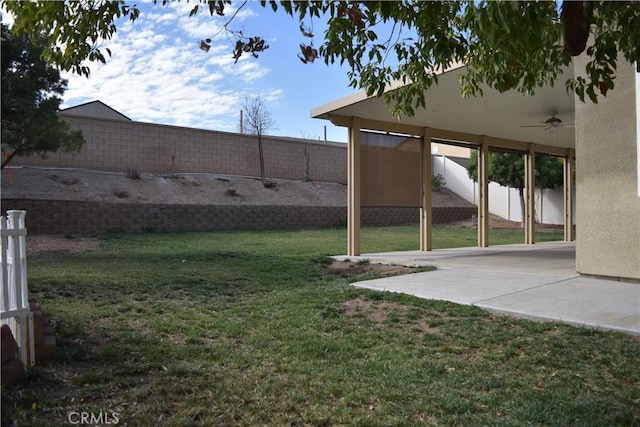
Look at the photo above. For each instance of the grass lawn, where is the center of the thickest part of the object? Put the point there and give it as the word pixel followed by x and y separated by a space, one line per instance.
pixel 247 328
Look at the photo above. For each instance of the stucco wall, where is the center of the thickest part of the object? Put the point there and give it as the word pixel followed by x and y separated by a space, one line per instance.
pixel 117 145
pixel 608 206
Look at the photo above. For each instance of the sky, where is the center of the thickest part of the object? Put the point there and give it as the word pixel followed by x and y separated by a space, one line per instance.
pixel 158 74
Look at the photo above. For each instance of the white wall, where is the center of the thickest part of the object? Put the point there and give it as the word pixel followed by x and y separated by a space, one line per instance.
pixel 503 202
pixel 457 181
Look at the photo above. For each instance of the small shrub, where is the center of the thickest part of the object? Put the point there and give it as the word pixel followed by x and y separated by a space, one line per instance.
pixel 230 192
pixel 133 173
pixel 437 182
pixel 121 194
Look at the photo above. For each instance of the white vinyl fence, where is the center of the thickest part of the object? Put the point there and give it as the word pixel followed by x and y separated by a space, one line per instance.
pixel 503 201
pixel 14 307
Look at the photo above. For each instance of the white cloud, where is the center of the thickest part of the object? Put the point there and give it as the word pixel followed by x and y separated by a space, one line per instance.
pixel 7 18
pixel 158 74
pixel 251 70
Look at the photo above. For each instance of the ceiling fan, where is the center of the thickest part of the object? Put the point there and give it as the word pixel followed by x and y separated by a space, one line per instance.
pixel 552 122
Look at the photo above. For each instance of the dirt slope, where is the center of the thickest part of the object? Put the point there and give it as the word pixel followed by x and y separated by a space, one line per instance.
pixel 198 189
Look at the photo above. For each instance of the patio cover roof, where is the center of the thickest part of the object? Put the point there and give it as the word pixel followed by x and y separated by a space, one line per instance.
pixel 497 115
pixel 496 121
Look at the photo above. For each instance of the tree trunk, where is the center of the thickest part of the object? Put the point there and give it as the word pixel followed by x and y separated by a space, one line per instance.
pixel 13 154
pixel 8 159
pixel 575 25
pixel 261 158
pixel 522 207
pixel 307 177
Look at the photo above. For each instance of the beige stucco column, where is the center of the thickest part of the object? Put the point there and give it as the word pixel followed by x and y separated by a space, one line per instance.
pixel 607 200
pixel 353 189
pixel 568 196
pixel 483 193
pixel 426 172
pixel 530 189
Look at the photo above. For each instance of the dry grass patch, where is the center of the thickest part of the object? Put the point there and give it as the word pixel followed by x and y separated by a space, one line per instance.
pixel 350 269
pixel 391 313
pixel 46 244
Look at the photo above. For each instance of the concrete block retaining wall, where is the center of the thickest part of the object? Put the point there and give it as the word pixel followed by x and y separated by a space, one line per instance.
pixel 60 217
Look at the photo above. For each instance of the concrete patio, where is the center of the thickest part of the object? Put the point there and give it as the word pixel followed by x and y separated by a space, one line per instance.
pixel 533 281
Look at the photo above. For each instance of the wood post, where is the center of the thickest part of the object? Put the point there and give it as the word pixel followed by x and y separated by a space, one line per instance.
pixel 483 194
pixel 568 196
pixel 353 188
pixel 426 172
pixel 530 185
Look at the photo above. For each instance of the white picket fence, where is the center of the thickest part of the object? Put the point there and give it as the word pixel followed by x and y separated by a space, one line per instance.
pixel 14 307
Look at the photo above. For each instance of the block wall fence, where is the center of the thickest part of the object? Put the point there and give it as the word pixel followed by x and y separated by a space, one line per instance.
pixel 117 145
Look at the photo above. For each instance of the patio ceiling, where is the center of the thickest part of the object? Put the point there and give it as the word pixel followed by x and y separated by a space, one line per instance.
pixel 497 115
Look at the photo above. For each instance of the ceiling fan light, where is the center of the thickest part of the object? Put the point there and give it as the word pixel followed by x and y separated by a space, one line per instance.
pixel 553 121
